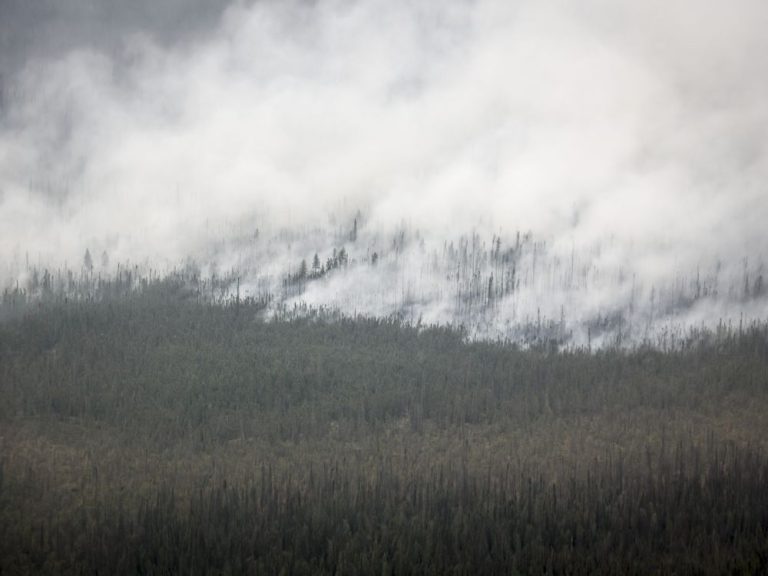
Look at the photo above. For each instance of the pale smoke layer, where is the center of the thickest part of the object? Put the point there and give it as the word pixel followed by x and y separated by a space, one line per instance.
pixel 631 134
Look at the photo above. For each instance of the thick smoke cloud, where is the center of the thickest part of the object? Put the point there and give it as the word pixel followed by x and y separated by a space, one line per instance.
pixel 634 133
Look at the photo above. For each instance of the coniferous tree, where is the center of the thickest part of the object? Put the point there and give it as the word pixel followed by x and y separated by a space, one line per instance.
pixel 87 260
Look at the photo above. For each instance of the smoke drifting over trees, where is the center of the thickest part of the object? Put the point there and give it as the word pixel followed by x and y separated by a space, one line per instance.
pixel 628 140
pixel 387 287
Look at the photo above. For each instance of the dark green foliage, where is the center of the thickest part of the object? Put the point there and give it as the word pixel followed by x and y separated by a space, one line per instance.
pixel 169 364
pixel 694 513
pixel 367 446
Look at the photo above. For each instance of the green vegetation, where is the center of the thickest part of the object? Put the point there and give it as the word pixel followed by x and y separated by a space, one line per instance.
pixel 152 433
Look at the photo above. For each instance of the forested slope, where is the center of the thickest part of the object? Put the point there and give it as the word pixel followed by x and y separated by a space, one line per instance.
pixel 151 433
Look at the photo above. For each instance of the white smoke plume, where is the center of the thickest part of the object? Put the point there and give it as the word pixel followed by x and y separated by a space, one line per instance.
pixel 629 138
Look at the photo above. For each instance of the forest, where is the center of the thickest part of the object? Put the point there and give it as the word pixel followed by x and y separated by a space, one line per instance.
pixel 383 287
pixel 514 287
pixel 150 431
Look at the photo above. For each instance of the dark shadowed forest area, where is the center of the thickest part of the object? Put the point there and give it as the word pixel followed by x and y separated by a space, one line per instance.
pixel 150 433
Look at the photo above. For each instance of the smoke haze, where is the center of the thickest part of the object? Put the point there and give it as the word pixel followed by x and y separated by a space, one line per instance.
pixel 630 137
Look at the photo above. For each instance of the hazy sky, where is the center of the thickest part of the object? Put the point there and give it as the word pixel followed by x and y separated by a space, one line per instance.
pixel 136 126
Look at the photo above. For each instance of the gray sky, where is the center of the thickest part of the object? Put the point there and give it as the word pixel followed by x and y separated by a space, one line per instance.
pixel 48 28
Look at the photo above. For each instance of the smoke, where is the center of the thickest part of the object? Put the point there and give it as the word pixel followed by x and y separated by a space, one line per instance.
pixel 631 134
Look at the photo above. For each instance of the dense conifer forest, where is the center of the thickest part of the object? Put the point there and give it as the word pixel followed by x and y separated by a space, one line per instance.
pixel 151 432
